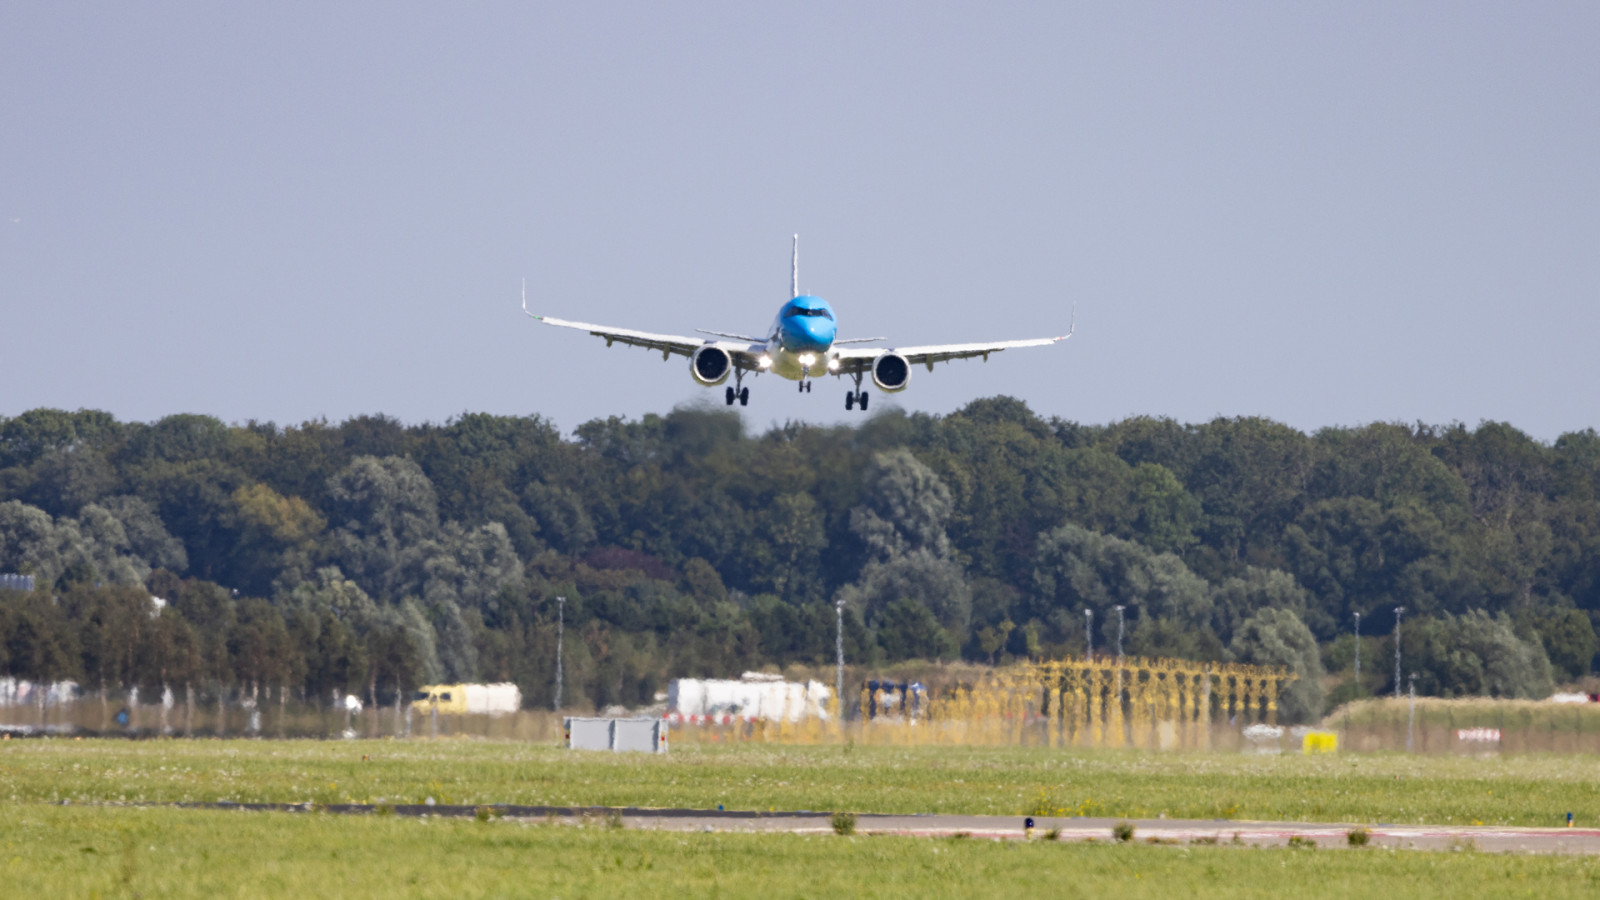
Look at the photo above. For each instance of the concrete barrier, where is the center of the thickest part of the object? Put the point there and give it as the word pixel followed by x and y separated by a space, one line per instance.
pixel 617 735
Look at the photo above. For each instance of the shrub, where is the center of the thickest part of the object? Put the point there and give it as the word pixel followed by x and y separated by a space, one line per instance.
pixel 844 823
pixel 1358 837
pixel 1122 831
pixel 1045 805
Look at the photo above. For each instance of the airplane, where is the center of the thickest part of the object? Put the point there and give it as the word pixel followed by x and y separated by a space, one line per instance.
pixel 801 343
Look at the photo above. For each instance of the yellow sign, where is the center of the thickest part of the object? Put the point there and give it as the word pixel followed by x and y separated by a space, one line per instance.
pixel 1319 742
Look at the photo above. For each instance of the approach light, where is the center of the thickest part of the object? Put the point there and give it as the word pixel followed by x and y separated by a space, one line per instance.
pixel 764 362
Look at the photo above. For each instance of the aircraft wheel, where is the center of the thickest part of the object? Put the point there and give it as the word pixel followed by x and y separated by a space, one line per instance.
pixel 728 395
pixel 863 401
pixel 744 397
pixel 850 400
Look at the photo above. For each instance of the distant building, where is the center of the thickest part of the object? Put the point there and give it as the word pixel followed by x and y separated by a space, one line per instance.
pixel 20 692
pixel 13 582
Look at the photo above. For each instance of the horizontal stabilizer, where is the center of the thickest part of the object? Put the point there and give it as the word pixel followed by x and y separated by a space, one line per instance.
pixel 732 337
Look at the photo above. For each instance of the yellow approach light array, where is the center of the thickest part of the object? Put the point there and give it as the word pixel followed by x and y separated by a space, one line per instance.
pixel 1155 704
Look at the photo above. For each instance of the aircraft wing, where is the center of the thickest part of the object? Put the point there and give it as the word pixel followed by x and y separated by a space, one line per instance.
pixel 744 353
pixel 852 359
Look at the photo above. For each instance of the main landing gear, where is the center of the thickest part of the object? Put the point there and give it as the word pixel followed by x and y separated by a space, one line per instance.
pixel 737 391
pixel 857 397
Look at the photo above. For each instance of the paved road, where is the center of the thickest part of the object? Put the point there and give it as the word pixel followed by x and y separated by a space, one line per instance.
pixel 1487 838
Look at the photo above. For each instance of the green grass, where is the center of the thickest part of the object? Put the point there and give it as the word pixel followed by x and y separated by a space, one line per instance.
pixel 1514 790
pixel 127 852
pixel 114 851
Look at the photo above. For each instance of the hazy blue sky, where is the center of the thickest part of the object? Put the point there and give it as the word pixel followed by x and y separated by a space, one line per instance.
pixel 1323 213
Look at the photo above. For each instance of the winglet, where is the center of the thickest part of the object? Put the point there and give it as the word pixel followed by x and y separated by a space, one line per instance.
pixel 525 301
pixel 1072 327
pixel 794 272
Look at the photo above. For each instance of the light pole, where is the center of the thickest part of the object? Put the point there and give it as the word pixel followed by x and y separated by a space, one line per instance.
pixel 838 648
pixel 1411 721
pixel 1119 609
pixel 1398 612
pixel 1358 654
pixel 1088 634
pixel 561 628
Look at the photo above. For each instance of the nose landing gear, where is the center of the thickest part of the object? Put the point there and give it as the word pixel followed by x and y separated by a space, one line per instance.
pixel 805 387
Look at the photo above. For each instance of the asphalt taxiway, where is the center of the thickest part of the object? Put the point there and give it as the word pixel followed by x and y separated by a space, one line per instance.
pixel 1484 838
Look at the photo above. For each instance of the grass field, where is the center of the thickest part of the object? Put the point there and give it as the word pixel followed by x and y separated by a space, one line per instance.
pixel 1512 790
pixel 47 849
pixel 125 852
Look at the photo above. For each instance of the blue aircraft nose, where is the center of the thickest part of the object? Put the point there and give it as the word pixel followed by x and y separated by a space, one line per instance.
pixel 808 325
pixel 811 334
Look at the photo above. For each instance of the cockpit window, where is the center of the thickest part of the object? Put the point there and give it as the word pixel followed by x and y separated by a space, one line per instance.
pixel 802 311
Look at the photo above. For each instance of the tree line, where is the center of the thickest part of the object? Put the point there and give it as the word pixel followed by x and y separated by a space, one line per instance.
pixel 371 556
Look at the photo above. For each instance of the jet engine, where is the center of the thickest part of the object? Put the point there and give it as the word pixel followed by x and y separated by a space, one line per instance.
pixel 891 372
pixel 710 365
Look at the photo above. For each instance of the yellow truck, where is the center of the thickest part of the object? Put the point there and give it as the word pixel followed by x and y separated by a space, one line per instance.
pixel 471 699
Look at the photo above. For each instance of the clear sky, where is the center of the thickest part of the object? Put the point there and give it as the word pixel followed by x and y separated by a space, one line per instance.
pixel 1327 214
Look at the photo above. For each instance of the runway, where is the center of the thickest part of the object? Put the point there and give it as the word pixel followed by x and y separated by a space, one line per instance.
pixel 1227 832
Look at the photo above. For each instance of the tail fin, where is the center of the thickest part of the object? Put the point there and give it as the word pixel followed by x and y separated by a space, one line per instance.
pixel 794 275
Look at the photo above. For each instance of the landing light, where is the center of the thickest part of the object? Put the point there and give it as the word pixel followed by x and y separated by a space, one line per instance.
pixel 764 362
pixel 806 359
pixel 833 364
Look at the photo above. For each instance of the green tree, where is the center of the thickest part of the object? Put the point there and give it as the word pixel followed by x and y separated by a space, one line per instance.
pixel 1474 654
pixel 147 536
pixel 907 629
pixel 1355 555
pixel 1077 570
pixel 385 512
pixel 263 655
pixel 1277 637
pixel 1250 475
pixel 1237 599
pixel 1165 514
pixel 1567 636
pixel 902 525
pixel 31 544
pixel 40 644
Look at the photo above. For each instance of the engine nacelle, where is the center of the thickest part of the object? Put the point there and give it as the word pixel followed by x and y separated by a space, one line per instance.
pixel 891 372
pixel 710 365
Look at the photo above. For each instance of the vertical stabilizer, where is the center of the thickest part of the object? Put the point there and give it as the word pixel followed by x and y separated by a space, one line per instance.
pixel 794 273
